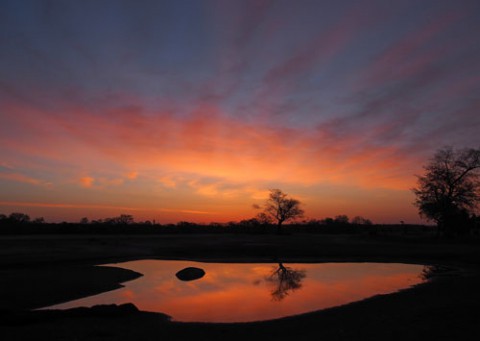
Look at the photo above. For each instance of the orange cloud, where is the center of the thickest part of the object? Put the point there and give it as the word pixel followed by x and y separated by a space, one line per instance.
pixel 207 153
pixel 210 144
pixel 132 175
pixel 87 181
pixel 168 181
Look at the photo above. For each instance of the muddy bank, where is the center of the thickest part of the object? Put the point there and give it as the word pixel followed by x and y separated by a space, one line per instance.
pixel 36 287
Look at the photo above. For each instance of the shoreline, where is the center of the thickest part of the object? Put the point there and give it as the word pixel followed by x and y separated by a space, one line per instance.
pixel 427 309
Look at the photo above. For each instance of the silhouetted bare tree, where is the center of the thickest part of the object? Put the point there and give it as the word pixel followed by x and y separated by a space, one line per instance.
pixel 279 208
pixel 449 190
pixel 285 280
pixel 19 218
pixel 341 219
pixel 39 220
pixel 359 220
pixel 123 219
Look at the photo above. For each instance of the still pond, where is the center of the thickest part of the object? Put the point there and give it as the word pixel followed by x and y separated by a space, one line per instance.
pixel 241 292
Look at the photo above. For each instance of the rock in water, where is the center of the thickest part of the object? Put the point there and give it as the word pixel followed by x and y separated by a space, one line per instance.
pixel 190 274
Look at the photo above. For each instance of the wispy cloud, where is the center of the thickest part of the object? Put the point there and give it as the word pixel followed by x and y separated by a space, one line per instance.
pixel 210 145
pixel 216 104
pixel 98 207
pixel 17 177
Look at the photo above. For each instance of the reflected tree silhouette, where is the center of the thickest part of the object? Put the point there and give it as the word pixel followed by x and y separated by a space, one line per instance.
pixel 285 280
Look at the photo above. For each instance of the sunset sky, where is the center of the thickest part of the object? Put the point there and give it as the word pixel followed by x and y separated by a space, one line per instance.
pixel 192 110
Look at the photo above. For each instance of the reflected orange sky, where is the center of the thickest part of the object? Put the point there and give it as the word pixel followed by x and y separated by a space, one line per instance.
pixel 241 292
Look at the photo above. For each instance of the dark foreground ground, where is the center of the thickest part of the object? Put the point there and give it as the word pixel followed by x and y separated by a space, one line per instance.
pixel 42 270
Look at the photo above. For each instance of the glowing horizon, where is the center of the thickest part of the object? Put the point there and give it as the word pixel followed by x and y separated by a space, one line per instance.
pixel 191 111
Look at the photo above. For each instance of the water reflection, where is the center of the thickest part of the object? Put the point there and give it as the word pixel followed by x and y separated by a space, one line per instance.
pixel 285 280
pixel 252 292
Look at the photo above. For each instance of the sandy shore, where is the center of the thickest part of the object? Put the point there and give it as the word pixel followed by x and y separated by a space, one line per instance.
pixel 43 270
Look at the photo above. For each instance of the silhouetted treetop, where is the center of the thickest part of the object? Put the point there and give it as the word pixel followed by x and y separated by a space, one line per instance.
pixel 17 217
pixel 448 192
pixel 280 208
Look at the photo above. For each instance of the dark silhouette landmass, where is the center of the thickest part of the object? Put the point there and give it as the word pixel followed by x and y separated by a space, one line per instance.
pixel 338 225
pixel 35 269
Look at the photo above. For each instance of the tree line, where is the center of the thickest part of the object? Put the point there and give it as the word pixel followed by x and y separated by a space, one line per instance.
pixel 18 223
pixel 448 194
